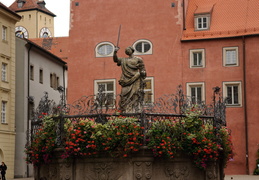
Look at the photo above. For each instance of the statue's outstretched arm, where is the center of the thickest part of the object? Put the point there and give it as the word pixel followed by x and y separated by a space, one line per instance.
pixel 115 57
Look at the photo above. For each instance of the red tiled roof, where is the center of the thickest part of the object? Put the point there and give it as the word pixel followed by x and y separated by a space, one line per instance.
pixel 30 5
pixel 229 18
pixel 55 45
pixel 9 10
pixel 45 50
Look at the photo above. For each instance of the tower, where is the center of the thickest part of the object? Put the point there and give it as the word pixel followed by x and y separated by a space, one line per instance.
pixel 37 21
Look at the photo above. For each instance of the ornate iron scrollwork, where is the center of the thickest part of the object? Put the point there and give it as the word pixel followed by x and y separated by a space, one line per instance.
pixel 102 105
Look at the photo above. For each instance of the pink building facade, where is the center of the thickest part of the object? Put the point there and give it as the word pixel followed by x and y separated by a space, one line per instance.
pixel 180 42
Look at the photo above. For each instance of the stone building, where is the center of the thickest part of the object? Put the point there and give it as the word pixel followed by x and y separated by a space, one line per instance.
pixel 37 21
pixel 7 87
pixel 199 44
pixel 37 71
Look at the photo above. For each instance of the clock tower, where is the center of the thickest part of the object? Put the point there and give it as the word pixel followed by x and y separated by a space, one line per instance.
pixel 37 21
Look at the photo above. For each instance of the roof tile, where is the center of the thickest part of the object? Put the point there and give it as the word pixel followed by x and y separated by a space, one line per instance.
pixel 229 18
pixel 29 5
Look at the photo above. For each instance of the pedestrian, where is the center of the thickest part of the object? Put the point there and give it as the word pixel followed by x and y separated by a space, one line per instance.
pixel 3 169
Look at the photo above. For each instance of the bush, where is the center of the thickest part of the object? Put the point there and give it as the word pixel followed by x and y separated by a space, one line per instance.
pixel 122 136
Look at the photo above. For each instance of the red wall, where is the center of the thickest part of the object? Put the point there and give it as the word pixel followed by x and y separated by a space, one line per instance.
pixel 93 22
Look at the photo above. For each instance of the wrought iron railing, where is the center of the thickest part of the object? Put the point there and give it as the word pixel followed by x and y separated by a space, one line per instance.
pixel 97 108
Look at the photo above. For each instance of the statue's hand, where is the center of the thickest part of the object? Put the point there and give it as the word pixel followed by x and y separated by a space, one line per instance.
pixel 116 49
pixel 143 74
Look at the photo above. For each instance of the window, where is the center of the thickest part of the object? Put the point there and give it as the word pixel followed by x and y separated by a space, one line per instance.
pixel 3 112
pixel 232 91
pixel 41 76
pixel 54 81
pixel 202 22
pixel 21 3
pixel 143 47
pixel 4 72
pixel 107 87
pixel 104 49
pixel 230 56
pixel 197 58
pixel 31 72
pixel 149 88
pixel 196 92
pixel 58 84
pixel 4 33
pixel 51 80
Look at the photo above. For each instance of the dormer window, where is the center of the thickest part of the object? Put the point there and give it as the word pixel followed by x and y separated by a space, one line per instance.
pixel 202 17
pixel 202 22
pixel 20 3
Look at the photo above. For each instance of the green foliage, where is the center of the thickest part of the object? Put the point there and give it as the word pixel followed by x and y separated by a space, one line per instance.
pixel 118 137
pixel 164 137
pixel 41 148
pixel 122 136
pixel 189 135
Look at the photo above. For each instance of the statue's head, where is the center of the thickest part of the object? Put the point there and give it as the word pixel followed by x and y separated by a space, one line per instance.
pixel 129 50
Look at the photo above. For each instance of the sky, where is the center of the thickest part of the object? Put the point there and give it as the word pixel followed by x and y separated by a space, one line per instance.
pixel 61 9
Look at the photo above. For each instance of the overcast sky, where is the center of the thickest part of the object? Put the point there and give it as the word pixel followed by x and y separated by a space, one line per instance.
pixel 59 7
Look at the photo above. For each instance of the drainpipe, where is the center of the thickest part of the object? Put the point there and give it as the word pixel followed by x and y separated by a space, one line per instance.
pixel 37 35
pixel 28 104
pixel 64 85
pixel 184 26
pixel 245 104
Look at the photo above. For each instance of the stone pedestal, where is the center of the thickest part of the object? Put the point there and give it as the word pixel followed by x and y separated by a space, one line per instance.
pixel 140 166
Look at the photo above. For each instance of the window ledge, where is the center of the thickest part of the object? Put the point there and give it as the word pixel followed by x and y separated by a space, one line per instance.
pixel 231 65
pixel 4 41
pixel 197 66
pixel 233 105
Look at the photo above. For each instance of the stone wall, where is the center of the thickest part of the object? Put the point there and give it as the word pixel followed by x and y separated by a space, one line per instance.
pixel 141 166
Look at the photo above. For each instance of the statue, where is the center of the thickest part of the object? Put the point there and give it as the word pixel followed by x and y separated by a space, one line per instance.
pixel 131 81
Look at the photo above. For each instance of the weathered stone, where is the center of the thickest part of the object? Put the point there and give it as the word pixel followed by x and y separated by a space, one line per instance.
pixel 140 166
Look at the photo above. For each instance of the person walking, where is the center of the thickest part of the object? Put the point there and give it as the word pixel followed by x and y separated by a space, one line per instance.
pixel 3 169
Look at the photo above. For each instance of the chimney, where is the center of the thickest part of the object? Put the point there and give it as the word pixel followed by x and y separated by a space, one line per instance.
pixel 41 3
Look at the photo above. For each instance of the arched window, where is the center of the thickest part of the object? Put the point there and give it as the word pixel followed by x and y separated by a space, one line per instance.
pixel 143 47
pixel 104 49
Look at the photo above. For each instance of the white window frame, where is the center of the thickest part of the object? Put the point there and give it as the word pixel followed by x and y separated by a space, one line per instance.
pixel 4 112
pixel 225 93
pixel 192 52
pixel 151 91
pixel 189 87
pixel 4 74
pixel 150 51
pixel 96 82
pixel 202 17
pixel 4 33
pixel 97 54
pixel 225 49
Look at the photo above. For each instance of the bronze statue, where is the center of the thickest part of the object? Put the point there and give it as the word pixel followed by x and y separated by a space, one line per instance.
pixel 131 81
